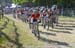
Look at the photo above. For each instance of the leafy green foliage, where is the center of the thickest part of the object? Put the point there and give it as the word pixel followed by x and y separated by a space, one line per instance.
pixel 20 1
pixel 64 3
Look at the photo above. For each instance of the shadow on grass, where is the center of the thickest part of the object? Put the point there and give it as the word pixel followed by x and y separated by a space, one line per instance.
pixel 63 28
pixel 53 42
pixel 17 36
pixel 59 31
pixel 10 40
pixel 3 26
pixel 67 20
pixel 48 33
pixel 16 41
pixel 66 26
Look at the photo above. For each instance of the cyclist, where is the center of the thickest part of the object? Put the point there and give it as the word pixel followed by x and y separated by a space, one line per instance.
pixel 45 17
pixel 35 17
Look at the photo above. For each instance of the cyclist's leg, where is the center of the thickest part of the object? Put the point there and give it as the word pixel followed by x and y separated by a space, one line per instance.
pixel 30 24
pixel 42 20
pixel 48 24
pixel 57 20
pixel 26 18
pixel 35 28
pixel 52 24
pixel 37 31
pixel 52 21
pixel 44 23
pixel 22 17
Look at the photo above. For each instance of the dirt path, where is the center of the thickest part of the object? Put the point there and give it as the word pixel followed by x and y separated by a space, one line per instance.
pixel 59 37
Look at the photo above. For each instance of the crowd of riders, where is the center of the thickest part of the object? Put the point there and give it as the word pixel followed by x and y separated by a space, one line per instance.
pixel 47 17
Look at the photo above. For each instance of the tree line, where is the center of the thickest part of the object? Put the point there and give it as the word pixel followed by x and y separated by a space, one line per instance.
pixel 62 3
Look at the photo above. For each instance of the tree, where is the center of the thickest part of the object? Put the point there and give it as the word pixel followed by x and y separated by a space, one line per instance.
pixel 21 1
pixel 63 3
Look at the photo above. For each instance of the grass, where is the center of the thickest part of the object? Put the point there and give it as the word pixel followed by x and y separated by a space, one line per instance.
pixel 9 27
pixel 8 30
pixel 66 18
pixel 2 39
pixel 26 37
pixel 2 21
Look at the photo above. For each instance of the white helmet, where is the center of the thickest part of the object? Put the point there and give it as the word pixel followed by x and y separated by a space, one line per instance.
pixel 53 7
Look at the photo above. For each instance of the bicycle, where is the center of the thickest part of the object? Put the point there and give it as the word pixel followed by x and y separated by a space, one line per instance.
pixel 35 30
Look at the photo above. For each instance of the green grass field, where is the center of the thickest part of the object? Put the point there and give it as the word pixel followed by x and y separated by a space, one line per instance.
pixel 25 35
pixel 66 18
pixel 2 39
pixel 24 38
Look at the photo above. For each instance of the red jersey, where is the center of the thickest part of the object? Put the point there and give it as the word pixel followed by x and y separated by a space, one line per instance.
pixel 35 16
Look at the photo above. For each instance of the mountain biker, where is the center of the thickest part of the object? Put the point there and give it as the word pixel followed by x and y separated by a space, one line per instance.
pixel 35 17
